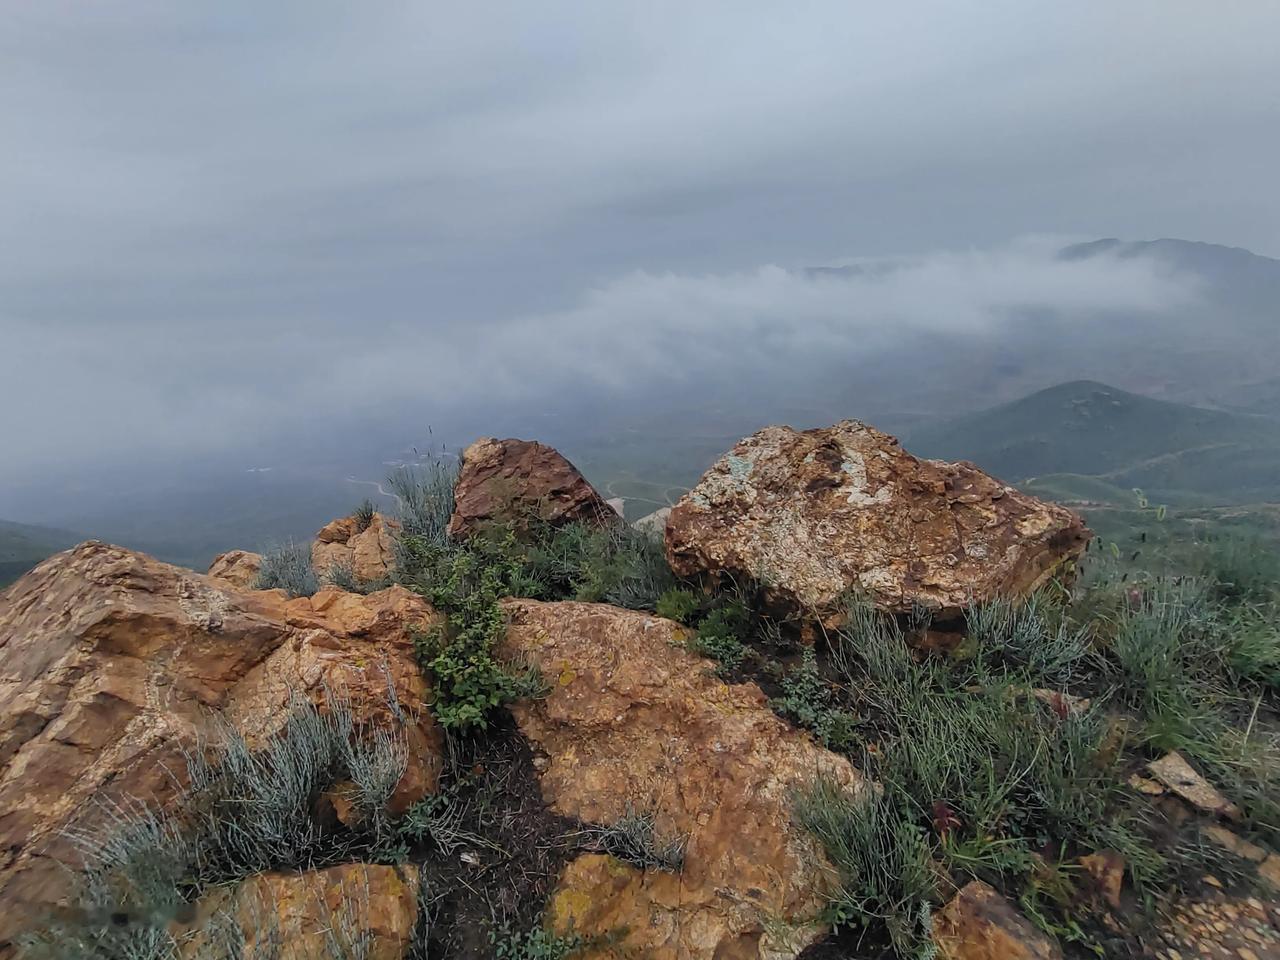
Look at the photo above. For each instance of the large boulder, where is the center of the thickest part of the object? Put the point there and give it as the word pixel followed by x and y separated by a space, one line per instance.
pixel 352 910
pixel 813 514
pixel 634 724
pixel 112 663
pixel 502 480
pixel 368 552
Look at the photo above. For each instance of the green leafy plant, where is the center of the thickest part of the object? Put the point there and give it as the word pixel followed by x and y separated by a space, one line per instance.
pixel 808 700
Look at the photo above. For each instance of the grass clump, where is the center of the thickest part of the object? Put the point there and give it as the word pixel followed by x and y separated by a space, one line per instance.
pixel 882 860
pixel 677 604
pixel 288 568
pixel 244 812
pixel 363 515
pixel 634 839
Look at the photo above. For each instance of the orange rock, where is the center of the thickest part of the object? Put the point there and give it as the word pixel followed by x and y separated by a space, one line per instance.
pixel 240 568
pixel 111 662
pixel 817 513
pixel 509 479
pixel 355 909
pixel 1105 873
pixel 369 554
pixel 979 924
pixel 634 722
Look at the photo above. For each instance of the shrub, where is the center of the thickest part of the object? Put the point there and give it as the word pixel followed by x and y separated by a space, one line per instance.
pixel 634 839
pixel 677 604
pixel 288 568
pixel 808 700
pixel 363 515
pixel 536 944
pixel 425 493
pixel 882 861
pixel 244 812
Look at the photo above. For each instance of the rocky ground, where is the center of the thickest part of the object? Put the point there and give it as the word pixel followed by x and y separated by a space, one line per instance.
pixel 851 706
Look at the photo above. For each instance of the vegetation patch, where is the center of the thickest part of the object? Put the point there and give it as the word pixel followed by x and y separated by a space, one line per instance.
pixel 288 567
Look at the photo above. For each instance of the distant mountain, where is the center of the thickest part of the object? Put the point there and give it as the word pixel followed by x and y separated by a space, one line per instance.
pixel 1086 440
pixel 23 545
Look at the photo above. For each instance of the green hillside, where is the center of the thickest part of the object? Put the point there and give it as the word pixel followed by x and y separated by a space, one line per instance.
pixel 1087 441
pixel 22 546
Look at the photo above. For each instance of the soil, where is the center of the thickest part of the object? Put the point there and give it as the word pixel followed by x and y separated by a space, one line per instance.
pixel 499 882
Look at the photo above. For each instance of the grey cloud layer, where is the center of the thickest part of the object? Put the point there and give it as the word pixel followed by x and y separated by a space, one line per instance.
pixel 216 214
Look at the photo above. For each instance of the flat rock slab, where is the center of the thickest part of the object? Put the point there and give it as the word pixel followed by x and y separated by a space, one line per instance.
pixel 1175 773
pixel 814 514
pixel 980 924
pixel 636 722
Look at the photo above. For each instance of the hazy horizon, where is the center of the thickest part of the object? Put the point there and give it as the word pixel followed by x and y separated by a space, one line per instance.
pixel 242 237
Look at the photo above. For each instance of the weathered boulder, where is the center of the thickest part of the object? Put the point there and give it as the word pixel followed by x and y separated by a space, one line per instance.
pixel 370 554
pixel 503 480
pixel 979 924
pixel 112 662
pixel 355 909
pixel 240 568
pixel 633 722
pixel 813 514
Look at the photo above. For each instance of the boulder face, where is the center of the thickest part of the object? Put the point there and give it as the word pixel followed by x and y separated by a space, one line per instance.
pixel 369 554
pixel 979 924
pixel 815 513
pixel 240 568
pixel 509 479
pixel 355 909
pixel 634 723
pixel 111 664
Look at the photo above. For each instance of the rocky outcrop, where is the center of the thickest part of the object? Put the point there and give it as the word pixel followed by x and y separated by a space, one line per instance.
pixel 240 568
pixel 654 524
pixel 979 924
pixel 112 662
pixel 813 514
pixel 502 480
pixel 351 910
pixel 369 553
pixel 633 722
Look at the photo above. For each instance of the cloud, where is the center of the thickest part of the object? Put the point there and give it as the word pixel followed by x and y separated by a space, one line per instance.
pixel 228 222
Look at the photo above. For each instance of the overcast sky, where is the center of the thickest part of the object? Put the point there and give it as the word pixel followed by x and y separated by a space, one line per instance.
pixel 220 219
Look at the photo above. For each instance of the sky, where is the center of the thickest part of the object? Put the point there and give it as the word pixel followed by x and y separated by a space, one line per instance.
pixel 226 222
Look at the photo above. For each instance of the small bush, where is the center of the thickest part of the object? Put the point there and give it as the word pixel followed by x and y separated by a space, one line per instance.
pixel 808 700
pixel 721 633
pixel 363 515
pixel 288 568
pixel 536 944
pixel 677 604
pixel 882 860
pixel 244 812
pixel 426 499
pixel 634 839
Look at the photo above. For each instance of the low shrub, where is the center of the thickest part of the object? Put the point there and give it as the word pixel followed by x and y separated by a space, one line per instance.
pixel 634 839
pixel 288 568
pixel 244 812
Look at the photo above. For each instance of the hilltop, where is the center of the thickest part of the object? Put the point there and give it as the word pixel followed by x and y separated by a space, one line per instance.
pixel 1089 441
